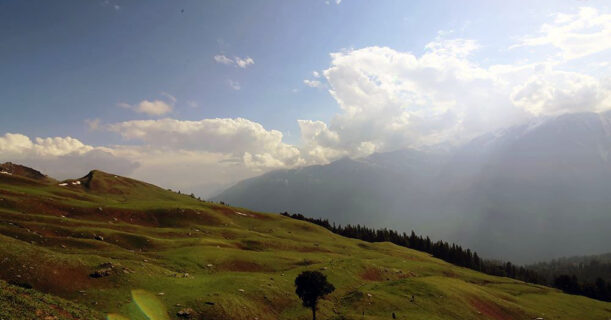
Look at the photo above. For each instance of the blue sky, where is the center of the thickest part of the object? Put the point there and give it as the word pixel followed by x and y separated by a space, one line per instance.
pixel 67 64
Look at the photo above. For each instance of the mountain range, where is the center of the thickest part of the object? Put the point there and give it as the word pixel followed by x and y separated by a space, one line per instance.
pixel 528 193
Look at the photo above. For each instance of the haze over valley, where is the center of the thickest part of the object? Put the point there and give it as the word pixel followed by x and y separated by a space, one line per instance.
pixel 523 193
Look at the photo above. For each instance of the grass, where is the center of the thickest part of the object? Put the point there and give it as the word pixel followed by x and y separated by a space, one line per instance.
pixel 225 263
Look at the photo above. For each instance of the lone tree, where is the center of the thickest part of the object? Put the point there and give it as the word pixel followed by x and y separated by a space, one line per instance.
pixel 311 286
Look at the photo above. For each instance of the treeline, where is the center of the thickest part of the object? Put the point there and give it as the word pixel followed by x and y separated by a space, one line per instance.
pixel 460 256
pixel 586 268
pixel 598 289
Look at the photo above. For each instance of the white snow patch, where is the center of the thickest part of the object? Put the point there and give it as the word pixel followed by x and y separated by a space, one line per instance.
pixel 76 182
pixel 242 214
pixel 62 184
pixel 6 172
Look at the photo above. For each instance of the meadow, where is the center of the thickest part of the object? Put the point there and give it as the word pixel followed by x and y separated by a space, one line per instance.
pixel 93 247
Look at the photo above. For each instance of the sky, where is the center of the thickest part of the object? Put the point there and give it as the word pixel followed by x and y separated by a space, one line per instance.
pixel 198 95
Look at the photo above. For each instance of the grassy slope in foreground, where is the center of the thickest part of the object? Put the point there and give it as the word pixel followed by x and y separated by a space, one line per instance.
pixel 229 263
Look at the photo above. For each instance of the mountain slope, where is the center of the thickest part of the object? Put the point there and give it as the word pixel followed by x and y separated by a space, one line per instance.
pixel 372 191
pixel 94 246
pixel 524 193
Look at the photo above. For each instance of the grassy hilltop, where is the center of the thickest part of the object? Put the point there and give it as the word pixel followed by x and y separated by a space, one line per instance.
pixel 84 245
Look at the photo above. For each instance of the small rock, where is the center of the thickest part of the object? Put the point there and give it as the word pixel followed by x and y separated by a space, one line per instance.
pixel 97 237
pixel 100 273
pixel 161 294
pixel 241 290
pixel 186 313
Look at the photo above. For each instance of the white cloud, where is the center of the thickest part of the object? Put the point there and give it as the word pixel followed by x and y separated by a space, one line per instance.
pixel 390 99
pixel 61 157
pixel 242 138
pixel 152 108
pixel 223 59
pixel 556 92
pixel 234 85
pixel 245 62
pixel 316 74
pixel 15 143
pixel 236 61
pixel 312 83
pixel 574 35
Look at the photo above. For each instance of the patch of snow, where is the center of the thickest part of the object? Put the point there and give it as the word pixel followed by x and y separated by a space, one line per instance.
pixel 241 214
pixel 62 184
pixel 76 182
pixel 6 172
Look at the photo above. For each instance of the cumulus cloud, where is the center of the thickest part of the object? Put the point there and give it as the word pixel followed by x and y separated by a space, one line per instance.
pixel 312 83
pixel 154 107
pixel 15 143
pixel 574 35
pixel 390 99
pixel 245 62
pixel 242 138
pixel 555 92
pixel 62 157
pixel 236 61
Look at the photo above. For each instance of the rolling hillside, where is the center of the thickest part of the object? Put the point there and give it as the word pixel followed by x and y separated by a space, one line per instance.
pixel 89 247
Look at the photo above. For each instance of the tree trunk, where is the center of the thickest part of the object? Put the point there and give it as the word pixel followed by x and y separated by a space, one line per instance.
pixel 313 313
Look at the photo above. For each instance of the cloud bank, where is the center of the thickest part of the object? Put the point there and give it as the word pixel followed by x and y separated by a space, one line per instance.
pixel 62 157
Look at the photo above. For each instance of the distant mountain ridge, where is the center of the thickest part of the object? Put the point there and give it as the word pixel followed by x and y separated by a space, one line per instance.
pixel 527 192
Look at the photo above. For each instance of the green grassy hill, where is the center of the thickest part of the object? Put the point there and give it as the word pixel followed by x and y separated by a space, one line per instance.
pixel 88 247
